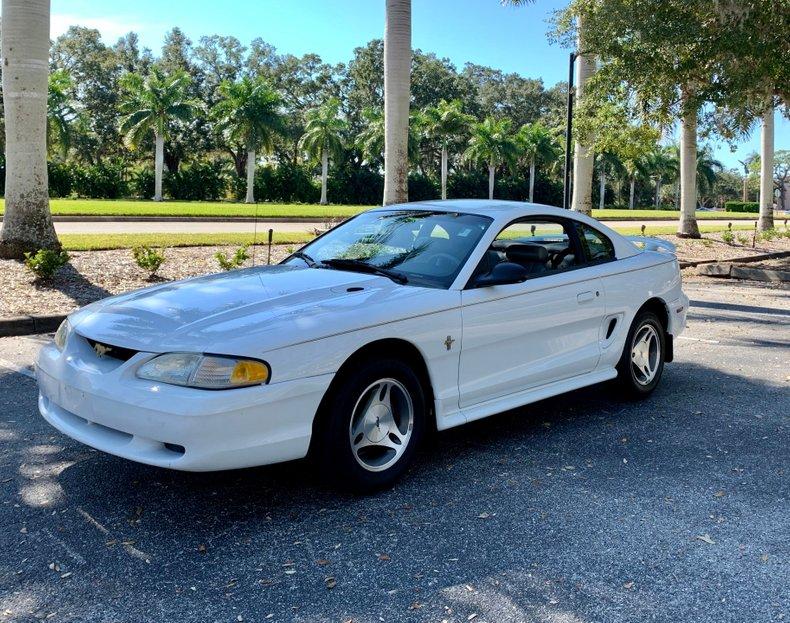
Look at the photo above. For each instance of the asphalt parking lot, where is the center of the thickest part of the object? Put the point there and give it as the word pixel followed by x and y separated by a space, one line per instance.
pixel 576 509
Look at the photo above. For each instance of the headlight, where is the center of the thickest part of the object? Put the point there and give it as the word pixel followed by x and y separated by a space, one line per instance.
pixel 204 371
pixel 62 334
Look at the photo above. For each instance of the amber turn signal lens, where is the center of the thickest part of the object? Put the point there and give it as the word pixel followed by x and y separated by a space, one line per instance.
pixel 249 372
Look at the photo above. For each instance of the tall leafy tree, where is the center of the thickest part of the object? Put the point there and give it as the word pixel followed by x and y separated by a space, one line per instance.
pixel 60 112
pixel 446 123
pixel 492 145
pixel 397 74
pixel 323 137
pixel 152 104
pixel 707 169
pixel 27 223
pixel 370 140
pixel 537 144
pixel 662 165
pixel 248 116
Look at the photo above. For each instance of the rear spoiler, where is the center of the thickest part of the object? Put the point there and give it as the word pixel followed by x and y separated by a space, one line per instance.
pixel 652 244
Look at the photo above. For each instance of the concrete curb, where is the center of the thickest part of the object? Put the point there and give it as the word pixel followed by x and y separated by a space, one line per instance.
pixel 62 218
pixel 737 260
pixel 30 325
pixel 744 272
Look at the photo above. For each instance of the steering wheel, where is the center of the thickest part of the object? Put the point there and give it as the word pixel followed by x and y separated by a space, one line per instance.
pixel 437 259
pixel 557 260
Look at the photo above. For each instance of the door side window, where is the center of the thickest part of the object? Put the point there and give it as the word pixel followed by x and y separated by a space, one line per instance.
pixel 596 246
pixel 542 246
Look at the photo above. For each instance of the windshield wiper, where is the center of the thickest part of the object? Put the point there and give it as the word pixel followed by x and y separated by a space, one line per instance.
pixel 364 267
pixel 311 263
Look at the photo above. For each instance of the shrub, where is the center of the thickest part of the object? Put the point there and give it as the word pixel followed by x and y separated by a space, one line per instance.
pixel 768 235
pixel 285 182
pixel 742 206
pixel 236 261
pixel 742 239
pixel 142 184
pixel 104 180
pixel 727 236
pixel 61 179
pixel 196 181
pixel 422 188
pixel 355 186
pixel 148 259
pixel 45 262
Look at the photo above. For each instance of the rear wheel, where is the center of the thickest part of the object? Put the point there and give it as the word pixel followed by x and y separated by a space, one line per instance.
pixel 642 361
pixel 372 424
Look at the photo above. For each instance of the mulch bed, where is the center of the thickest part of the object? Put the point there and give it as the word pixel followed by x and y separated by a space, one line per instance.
pixel 92 275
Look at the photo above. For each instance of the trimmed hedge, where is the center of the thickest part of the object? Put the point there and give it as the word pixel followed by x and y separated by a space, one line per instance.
pixel 742 206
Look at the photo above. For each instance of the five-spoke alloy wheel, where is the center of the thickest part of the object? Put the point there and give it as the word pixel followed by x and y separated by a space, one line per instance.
pixel 642 362
pixel 371 423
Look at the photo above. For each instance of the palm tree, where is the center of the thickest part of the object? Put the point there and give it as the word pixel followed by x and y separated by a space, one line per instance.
pixel 687 227
pixel 446 122
pixel 537 144
pixel 662 164
pixel 635 167
pixel 151 104
pixel 492 144
pixel 608 162
pixel 397 89
pixel 248 115
pixel 708 169
pixel 60 112
pixel 766 220
pixel 322 137
pixel 370 141
pixel 27 223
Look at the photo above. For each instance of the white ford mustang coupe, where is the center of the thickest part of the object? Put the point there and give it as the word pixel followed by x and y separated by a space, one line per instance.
pixel 401 319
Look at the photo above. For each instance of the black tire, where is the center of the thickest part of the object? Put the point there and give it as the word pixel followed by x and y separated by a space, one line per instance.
pixel 629 377
pixel 332 443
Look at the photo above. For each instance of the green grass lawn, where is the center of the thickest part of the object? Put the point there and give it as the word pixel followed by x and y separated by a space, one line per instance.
pixel 102 207
pixel 94 242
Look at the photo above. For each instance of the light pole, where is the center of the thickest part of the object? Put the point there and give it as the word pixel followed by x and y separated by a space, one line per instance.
pixel 566 196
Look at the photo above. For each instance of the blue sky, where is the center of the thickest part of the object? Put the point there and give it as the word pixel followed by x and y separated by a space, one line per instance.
pixel 478 31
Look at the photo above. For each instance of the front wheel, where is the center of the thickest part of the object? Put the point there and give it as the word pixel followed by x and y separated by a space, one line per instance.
pixel 642 362
pixel 373 422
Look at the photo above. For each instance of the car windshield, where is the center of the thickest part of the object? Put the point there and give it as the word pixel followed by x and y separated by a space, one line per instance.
pixel 423 248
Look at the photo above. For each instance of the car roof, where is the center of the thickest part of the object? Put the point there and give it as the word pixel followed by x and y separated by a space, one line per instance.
pixel 503 212
pixel 494 208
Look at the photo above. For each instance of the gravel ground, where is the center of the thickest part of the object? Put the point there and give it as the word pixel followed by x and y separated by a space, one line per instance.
pixel 92 275
pixel 578 509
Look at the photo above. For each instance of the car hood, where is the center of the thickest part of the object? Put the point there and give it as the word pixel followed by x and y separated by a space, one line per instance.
pixel 247 312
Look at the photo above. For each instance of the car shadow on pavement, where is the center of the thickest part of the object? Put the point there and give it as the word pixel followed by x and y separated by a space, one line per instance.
pixel 562 510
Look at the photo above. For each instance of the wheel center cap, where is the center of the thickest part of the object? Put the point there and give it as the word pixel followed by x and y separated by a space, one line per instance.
pixel 377 423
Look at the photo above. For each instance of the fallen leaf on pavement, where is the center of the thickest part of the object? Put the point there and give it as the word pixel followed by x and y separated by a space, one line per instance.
pixel 628 585
pixel 330 582
pixel 705 538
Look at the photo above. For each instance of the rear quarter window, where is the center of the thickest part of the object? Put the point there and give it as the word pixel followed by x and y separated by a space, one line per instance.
pixel 596 246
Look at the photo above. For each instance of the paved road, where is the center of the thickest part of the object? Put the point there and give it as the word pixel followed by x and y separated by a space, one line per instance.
pixel 577 509
pixel 127 227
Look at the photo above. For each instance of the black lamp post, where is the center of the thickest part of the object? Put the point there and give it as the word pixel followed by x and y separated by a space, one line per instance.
pixel 566 197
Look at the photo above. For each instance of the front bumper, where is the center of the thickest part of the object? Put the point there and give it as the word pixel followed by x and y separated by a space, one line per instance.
pixel 103 404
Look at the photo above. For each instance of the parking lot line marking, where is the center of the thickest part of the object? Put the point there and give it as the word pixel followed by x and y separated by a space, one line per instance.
pixel 17 368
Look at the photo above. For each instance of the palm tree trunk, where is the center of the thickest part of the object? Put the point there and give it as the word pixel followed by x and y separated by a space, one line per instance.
pixel 688 176
pixel 159 158
pixel 324 173
pixel 658 193
pixel 602 189
pixel 250 198
pixel 491 170
pixel 745 191
pixel 444 171
pixel 766 220
pixel 27 224
pixel 631 194
pixel 582 155
pixel 532 180
pixel 397 75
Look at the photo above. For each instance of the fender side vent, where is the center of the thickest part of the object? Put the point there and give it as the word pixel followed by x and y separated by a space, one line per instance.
pixel 355 289
pixel 610 328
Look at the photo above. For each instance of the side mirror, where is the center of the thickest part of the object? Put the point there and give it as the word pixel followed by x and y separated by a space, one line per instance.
pixel 502 274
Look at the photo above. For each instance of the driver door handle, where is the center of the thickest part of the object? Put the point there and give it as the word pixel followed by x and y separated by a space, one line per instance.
pixel 584 297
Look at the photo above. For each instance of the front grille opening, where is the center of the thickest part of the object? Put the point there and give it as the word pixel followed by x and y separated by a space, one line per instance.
pixel 174 447
pixel 103 350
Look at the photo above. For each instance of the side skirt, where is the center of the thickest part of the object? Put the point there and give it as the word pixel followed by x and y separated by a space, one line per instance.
pixel 512 401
